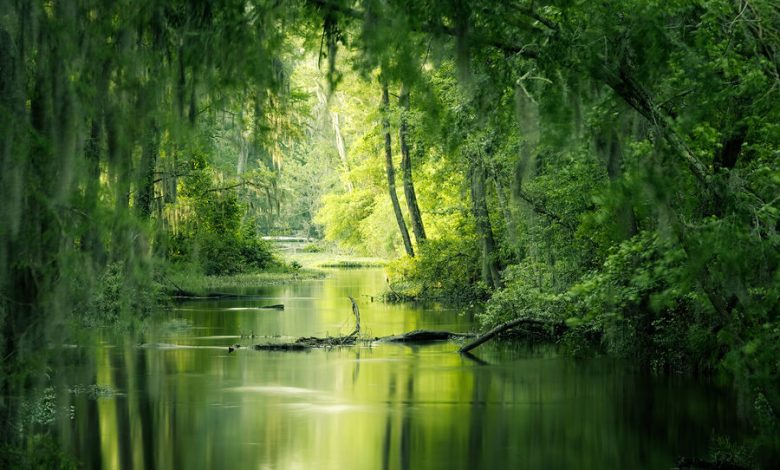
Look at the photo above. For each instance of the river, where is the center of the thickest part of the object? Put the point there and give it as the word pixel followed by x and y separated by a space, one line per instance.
pixel 174 397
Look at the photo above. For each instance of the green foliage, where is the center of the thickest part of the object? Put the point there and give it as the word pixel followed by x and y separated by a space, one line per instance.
pixel 218 236
pixel 314 248
pixel 120 293
pixel 442 269
pixel 40 452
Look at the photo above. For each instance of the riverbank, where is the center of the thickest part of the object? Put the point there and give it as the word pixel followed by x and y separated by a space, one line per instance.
pixel 295 267
pixel 316 261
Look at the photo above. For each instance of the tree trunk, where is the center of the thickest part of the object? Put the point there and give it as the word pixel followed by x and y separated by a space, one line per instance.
pixel 391 171
pixel 608 144
pixel 490 265
pixel 509 220
pixel 145 193
pixel 341 148
pixel 632 92
pixel 406 171
pixel 90 242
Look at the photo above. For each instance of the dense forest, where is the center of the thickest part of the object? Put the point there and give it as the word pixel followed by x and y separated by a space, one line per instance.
pixel 611 166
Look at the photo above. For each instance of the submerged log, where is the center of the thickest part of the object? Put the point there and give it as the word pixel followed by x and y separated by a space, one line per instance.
pixel 282 347
pixel 309 342
pixel 411 337
pixel 557 326
pixel 424 336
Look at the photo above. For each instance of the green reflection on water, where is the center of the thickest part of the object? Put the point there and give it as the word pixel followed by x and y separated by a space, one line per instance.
pixel 381 406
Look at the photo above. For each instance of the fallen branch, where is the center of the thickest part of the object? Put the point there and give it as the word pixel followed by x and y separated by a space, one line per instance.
pixel 411 337
pixel 273 307
pixel 282 347
pixel 557 326
pixel 308 342
pixel 356 312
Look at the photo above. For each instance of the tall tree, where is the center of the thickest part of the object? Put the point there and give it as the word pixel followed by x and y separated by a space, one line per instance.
pixel 490 263
pixel 390 170
pixel 406 169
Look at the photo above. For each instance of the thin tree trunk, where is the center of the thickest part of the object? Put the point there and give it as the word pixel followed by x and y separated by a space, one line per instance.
pixel 243 145
pixel 391 172
pixel 406 167
pixel 509 220
pixel 490 266
pixel 91 239
pixel 341 149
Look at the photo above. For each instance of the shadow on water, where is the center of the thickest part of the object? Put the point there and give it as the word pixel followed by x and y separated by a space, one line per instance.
pixel 370 406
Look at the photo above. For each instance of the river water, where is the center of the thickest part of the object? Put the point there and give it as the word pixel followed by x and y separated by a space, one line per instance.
pixel 174 397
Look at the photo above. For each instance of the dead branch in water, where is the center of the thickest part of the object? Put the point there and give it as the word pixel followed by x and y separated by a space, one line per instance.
pixel 424 336
pixel 556 326
pixel 356 312
pixel 411 337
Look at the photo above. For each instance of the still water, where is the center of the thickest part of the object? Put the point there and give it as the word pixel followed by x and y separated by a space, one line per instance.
pixel 181 400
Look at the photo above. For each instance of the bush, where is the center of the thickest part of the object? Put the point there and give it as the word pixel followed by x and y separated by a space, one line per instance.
pixel 443 269
pixel 314 248
pixel 255 253
pixel 225 255
pixel 220 255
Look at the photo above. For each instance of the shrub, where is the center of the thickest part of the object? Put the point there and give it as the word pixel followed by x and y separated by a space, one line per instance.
pixel 443 269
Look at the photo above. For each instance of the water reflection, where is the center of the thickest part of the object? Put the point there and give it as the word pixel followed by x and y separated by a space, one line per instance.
pixel 374 406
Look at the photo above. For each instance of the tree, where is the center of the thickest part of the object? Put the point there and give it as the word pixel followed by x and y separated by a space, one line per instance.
pixel 406 169
pixel 390 171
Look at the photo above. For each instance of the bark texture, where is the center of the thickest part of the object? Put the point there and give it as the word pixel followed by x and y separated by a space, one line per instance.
pixel 406 166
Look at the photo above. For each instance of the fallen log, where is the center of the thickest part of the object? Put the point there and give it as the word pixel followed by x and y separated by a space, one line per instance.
pixel 557 326
pixel 308 342
pixel 282 347
pixel 424 336
pixel 411 337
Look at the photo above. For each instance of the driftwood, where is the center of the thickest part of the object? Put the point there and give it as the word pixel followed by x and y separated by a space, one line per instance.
pixel 309 342
pixel 306 343
pixel 557 327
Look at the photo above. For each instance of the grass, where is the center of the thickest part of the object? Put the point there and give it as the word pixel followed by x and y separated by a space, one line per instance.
pixel 333 260
pixel 309 266
pixel 188 278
